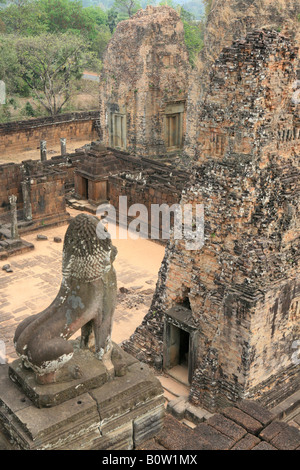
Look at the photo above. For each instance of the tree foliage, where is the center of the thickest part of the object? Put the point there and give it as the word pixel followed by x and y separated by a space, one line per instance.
pixel 129 7
pixel 49 64
pixel 44 44
pixel 26 19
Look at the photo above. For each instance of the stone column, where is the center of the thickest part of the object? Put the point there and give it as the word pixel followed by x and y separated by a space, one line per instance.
pixel 27 211
pixel 14 219
pixel 63 146
pixel 43 149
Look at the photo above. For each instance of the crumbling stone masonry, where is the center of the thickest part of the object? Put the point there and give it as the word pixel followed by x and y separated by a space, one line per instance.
pixel 46 192
pixel 237 298
pixel 230 20
pixel 40 188
pixel 144 83
pixel 105 174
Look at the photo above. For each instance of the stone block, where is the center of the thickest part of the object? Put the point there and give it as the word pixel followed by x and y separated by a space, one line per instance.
pixel 246 443
pixel 118 415
pixel 176 436
pixel 41 237
pixel 216 439
pixel 272 430
pixel 128 394
pixel 177 407
pixel 120 438
pixel 196 414
pixel 239 417
pixel 287 439
pixel 227 427
pixel 264 446
pixel 148 424
pixel 94 374
pixel 256 411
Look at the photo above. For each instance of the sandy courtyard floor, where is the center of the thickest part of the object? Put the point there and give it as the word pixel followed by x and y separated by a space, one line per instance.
pixel 36 278
pixel 52 150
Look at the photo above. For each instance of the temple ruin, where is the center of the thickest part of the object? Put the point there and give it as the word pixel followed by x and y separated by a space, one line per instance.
pixel 224 135
pixel 143 87
pixel 231 310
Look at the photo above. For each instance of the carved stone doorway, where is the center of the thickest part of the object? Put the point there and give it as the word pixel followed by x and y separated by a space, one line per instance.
pixel 179 349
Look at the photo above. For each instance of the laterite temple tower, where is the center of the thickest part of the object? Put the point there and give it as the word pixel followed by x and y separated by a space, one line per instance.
pixel 233 307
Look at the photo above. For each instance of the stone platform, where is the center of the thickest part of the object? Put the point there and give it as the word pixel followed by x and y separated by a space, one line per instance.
pixel 10 247
pixel 93 375
pixel 96 411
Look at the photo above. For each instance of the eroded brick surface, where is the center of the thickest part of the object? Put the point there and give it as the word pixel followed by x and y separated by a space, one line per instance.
pixel 227 426
pixel 250 424
pixel 145 77
pixel 242 287
pixel 221 432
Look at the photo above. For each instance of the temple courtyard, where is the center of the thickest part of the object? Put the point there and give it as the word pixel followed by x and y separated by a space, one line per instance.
pixel 36 276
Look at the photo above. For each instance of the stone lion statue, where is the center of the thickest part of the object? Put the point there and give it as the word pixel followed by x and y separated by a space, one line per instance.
pixel 86 300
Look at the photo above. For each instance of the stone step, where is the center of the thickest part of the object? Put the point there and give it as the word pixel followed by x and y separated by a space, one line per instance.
pixel 169 396
pixel 181 409
pixel 288 408
pixel 179 373
pixel 189 423
pixel 173 386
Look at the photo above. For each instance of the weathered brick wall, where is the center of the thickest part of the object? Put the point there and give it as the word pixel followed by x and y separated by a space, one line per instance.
pixel 10 183
pixel 231 20
pixel 248 107
pixel 26 135
pixel 138 191
pixel 145 68
pixel 47 195
pixel 49 179
pixel 243 285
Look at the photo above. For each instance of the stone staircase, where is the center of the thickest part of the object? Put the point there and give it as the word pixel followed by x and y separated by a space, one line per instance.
pixel 176 395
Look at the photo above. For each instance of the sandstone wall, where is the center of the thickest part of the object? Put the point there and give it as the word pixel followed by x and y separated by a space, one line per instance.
pixel 145 70
pixel 230 20
pixel 243 285
pixel 10 183
pixel 248 108
pixel 48 182
pixel 26 135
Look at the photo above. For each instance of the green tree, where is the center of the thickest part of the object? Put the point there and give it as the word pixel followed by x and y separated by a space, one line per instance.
pixel 26 18
pixel 96 14
pixel 112 19
pixel 127 7
pixel 62 16
pixel 193 34
pixel 193 29
pixel 10 67
pixel 49 65
pixel 99 44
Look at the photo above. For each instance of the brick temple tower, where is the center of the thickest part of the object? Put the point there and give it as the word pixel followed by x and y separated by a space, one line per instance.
pixel 229 313
pixel 144 83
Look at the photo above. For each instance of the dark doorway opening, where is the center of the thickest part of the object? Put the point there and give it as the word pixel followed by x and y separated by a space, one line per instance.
pixel 184 345
pixel 177 361
pixel 85 188
pixel 186 303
